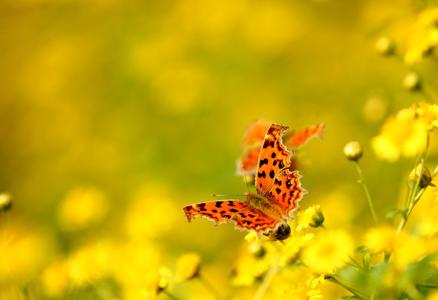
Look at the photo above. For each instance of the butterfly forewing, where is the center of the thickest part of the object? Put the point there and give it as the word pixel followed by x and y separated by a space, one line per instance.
pixel 255 133
pixel 273 158
pixel 299 138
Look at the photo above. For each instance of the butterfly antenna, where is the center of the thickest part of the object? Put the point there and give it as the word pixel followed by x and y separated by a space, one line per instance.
pixel 228 195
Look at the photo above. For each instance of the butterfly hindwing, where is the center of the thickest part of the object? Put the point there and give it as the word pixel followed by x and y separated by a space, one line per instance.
pixel 286 191
pixel 243 215
pixel 247 163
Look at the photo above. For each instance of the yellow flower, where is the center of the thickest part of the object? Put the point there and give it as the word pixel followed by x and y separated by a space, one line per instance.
pixel 153 282
pixel 90 263
pixel 136 269
pixel 249 267
pixel 24 252
pixel 409 249
pixel 328 251
pixel 424 36
pixel 428 113
pixel 82 207
pixel 188 266
pixel 381 239
pixel 292 248
pixel 55 279
pixel 296 283
pixel 404 134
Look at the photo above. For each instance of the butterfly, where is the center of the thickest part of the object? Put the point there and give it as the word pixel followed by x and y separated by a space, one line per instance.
pixel 278 192
pixel 253 139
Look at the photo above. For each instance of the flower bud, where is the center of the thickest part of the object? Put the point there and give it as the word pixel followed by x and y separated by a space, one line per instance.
pixel 317 217
pixel 163 280
pixel 412 82
pixel 188 266
pixel 257 250
pixel 385 46
pixel 353 151
pixel 420 172
pixel 5 202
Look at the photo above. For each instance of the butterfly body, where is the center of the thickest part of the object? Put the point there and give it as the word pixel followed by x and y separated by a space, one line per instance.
pixel 264 204
pixel 278 191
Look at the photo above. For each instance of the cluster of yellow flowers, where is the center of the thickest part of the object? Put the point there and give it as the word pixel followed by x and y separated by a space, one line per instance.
pixel 406 133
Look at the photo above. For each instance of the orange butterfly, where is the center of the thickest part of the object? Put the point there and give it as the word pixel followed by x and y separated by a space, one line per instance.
pixel 253 139
pixel 278 193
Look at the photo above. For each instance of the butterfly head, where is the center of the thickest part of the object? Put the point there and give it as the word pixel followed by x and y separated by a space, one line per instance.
pixel 281 233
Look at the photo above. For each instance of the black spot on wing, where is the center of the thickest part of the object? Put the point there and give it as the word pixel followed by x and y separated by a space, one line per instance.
pixel 202 207
pixel 263 162
pixel 262 174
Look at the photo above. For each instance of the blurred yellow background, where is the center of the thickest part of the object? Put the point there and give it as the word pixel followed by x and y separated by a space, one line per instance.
pixel 115 114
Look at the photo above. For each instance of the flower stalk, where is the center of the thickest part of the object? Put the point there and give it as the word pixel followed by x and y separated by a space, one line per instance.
pixel 362 182
pixel 209 286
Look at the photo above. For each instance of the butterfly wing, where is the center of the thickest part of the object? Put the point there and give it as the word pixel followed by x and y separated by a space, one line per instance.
pixel 243 215
pixel 255 133
pixel 299 138
pixel 273 158
pixel 247 163
pixel 252 143
pixel 286 192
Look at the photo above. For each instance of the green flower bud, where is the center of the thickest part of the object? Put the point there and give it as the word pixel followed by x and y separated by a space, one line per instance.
pixel 385 46
pixel 412 82
pixel 353 151
pixel 423 174
pixel 5 202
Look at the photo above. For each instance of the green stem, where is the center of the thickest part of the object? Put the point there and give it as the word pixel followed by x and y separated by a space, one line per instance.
pixel 404 220
pixel 169 295
pixel 416 193
pixel 213 291
pixel 351 290
pixel 263 288
pixel 25 291
pixel 366 191
pixel 428 285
